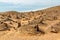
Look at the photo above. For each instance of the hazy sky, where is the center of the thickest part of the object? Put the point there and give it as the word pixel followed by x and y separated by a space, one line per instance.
pixel 24 5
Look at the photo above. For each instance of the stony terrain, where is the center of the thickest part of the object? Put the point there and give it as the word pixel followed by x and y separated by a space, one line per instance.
pixel 37 25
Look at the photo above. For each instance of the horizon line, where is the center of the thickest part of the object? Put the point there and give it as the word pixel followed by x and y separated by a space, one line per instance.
pixel 33 10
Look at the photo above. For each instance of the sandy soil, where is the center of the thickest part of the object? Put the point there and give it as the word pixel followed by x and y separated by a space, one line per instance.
pixel 17 36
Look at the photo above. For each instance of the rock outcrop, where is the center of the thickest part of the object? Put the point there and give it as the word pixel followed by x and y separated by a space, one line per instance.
pixel 35 22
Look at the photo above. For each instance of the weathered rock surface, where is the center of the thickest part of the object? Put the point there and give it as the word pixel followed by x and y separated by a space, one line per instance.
pixel 42 21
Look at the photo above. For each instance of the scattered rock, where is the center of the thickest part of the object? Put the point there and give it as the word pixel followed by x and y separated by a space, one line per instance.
pixel 40 20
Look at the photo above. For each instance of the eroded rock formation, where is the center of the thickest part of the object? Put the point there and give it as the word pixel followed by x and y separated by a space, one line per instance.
pixel 37 22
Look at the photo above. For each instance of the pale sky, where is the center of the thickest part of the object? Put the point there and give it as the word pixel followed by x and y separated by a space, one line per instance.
pixel 24 5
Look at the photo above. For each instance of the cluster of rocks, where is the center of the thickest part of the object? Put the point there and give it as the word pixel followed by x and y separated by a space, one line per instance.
pixel 31 22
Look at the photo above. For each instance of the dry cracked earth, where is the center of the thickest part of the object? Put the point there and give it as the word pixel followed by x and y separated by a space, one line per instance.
pixel 34 25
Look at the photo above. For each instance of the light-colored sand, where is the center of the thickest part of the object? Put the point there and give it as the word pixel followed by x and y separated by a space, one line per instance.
pixel 17 36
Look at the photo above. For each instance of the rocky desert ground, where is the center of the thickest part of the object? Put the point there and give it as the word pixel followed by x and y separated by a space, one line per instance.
pixel 34 25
